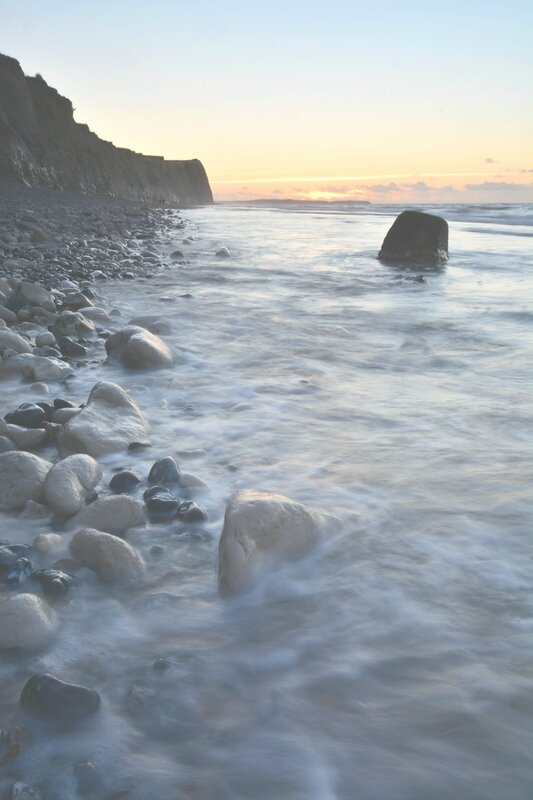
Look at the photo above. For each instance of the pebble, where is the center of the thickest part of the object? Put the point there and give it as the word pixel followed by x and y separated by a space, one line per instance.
pixel 164 470
pixel 189 511
pixel 27 415
pixel 52 699
pixel 160 502
pixel 124 481
pixel 223 253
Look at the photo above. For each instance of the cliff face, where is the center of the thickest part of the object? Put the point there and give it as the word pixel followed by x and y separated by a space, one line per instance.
pixel 41 144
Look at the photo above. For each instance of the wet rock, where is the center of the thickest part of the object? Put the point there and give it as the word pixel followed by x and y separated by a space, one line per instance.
pixel 22 477
pixel 14 566
pixel 257 526
pixel 223 253
pixel 54 700
pixel 90 782
pixel 160 502
pixel 70 348
pixel 46 339
pixel 112 514
pixel 27 622
pixel 30 294
pixel 161 664
pixel 192 482
pixel 54 582
pixel 12 342
pixel 27 415
pixel 417 238
pixel 35 367
pixel 59 402
pixel 176 255
pixel 8 316
pixel 62 415
pixel 6 444
pixel 74 324
pixel 134 447
pixel 124 481
pixel 69 482
pixel 113 559
pixel 138 348
pixel 24 438
pixel 189 511
pixel 164 470
pixel 109 422
pixel 47 542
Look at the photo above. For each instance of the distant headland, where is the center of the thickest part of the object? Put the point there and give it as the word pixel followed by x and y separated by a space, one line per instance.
pixel 42 145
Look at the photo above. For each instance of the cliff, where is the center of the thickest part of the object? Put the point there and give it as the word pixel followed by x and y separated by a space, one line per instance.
pixel 42 145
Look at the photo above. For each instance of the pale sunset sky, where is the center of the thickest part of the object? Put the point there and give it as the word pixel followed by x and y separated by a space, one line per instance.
pixel 384 101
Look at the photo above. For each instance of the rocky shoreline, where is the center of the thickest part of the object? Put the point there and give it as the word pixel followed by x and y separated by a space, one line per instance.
pixel 56 253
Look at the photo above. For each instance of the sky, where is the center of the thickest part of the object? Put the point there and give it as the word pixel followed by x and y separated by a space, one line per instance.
pixel 382 100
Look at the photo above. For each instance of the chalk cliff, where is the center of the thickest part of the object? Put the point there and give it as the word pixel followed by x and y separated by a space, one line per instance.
pixel 42 145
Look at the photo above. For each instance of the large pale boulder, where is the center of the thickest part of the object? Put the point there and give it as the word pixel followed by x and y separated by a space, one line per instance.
pixel 35 368
pixel 138 348
pixel 27 622
pixel 416 238
pixel 22 477
pixel 30 294
pixel 24 438
pixel 113 559
pixel 12 342
pixel 112 514
pixel 258 526
pixel 69 481
pixel 109 422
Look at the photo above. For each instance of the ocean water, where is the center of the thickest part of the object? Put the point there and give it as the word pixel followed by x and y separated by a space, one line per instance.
pixel 394 662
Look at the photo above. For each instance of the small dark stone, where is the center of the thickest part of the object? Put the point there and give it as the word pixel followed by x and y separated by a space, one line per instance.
pixel 27 415
pixel 157 550
pixel 223 253
pixel 52 699
pixel 134 446
pixel 124 481
pixel 71 348
pixel 161 664
pixel 160 502
pixel 90 782
pixel 164 470
pixel 47 408
pixel 59 402
pixel 54 582
pixel 14 566
pixel 189 511
pixel 416 237
pixel 177 254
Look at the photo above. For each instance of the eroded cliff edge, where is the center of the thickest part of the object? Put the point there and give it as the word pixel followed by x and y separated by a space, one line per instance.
pixel 42 145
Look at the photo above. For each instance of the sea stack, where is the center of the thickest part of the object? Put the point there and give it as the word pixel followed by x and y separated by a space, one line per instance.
pixel 416 238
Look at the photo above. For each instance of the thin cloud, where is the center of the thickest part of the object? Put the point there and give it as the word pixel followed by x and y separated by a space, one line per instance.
pixel 498 186
pixel 491 161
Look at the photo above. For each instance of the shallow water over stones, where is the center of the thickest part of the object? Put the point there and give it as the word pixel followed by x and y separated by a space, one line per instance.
pixel 391 662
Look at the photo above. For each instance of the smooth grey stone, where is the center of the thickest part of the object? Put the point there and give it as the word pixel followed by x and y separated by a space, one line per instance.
pixel 27 415
pixel 124 481
pixel 164 470
pixel 55 700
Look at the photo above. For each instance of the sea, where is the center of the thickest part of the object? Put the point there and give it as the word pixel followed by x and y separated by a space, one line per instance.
pixel 395 660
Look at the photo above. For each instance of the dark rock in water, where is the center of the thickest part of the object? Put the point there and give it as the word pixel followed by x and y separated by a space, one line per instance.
pixel 90 782
pixel 27 415
pixel 161 664
pixel 177 254
pixel 223 253
pixel 189 511
pixel 71 348
pixel 165 470
pixel 133 447
pixel 124 481
pixel 14 566
pixel 157 550
pixel 54 582
pixel 47 408
pixel 6 445
pixel 56 701
pixel 160 502
pixel 416 238
pixel 59 402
